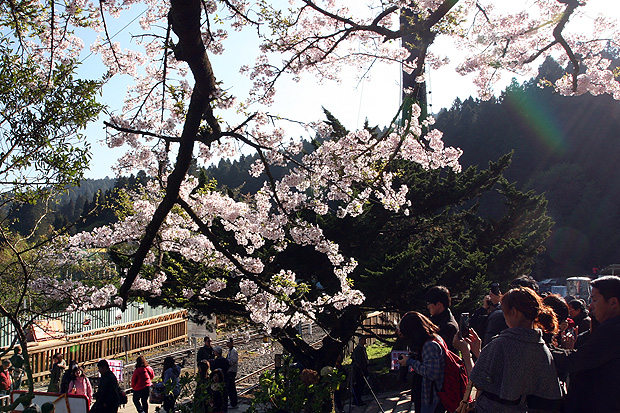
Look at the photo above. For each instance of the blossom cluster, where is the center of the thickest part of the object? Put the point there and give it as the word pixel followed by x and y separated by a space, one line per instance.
pixel 345 174
pixel 333 173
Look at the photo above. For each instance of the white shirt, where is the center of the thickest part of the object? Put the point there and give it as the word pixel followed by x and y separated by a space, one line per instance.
pixel 233 360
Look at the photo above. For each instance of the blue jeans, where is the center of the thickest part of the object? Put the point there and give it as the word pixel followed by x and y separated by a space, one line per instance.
pixel 429 408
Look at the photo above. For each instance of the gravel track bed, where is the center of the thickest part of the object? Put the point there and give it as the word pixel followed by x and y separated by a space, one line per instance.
pixel 254 354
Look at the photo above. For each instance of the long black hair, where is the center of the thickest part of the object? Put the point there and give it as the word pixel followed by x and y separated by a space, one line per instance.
pixel 417 329
pixel 168 363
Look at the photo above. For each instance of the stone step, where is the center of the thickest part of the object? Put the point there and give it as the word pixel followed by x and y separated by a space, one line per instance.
pixel 393 402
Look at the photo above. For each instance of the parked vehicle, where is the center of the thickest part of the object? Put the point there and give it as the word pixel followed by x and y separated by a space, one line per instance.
pixel 579 287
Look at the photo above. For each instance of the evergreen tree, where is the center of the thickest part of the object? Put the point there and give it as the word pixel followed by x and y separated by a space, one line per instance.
pixel 442 241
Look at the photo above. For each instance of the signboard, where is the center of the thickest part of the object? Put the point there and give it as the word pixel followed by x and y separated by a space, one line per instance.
pixel 394 365
pixel 116 366
pixel 42 330
pixel 63 403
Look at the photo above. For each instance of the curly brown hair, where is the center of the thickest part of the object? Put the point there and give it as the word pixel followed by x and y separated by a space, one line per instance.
pixel 529 303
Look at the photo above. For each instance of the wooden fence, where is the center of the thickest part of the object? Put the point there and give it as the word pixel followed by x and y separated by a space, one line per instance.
pixel 109 342
pixel 381 323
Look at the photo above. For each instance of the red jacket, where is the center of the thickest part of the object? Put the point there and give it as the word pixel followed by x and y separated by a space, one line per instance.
pixel 5 379
pixel 141 378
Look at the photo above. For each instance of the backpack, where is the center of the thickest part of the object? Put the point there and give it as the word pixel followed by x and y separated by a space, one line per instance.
pixel 454 380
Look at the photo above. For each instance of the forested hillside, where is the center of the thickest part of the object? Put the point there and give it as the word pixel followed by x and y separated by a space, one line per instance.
pixel 567 148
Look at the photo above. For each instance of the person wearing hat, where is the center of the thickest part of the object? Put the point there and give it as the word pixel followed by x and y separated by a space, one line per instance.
pixel 205 353
pixel 220 362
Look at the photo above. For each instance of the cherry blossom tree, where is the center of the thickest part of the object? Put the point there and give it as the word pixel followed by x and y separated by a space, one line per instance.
pixel 176 110
pixel 44 109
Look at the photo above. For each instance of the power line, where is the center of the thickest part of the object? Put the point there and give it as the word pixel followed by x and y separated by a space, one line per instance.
pixel 118 32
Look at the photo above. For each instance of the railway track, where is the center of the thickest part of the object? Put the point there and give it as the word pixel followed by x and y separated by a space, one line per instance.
pixel 255 357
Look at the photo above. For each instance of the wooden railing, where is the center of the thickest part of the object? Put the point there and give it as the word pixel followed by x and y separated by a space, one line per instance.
pixel 110 342
pixel 381 323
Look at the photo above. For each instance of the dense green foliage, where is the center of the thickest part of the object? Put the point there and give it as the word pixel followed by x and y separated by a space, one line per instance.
pixel 292 389
pixel 563 147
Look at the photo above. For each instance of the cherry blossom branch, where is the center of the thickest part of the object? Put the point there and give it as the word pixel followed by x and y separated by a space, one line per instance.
pixel 483 11
pixel 206 231
pixel 559 39
pixel 239 13
pixel 107 35
pixel 540 52
pixel 141 132
pixel 206 139
pixel 163 88
pixel 52 25
pixel 145 100
pixel 439 13
pixel 374 26
pixel 271 180
pixel 557 33
pixel 184 16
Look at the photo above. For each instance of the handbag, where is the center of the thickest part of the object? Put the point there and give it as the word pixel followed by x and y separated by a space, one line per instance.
pixel 157 393
pixel 470 394
pixel 122 396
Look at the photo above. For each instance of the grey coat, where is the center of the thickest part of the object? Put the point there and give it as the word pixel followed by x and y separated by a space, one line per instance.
pixel 515 363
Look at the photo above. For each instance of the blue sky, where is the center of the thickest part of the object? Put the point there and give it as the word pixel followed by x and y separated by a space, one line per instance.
pixel 352 101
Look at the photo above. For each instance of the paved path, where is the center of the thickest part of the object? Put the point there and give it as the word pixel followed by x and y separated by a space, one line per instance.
pixel 391 402
pixel 130 408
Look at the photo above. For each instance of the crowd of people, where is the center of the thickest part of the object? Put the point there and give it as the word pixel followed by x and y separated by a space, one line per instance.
pixel 11 372
pixel 216 391
pixel 523 350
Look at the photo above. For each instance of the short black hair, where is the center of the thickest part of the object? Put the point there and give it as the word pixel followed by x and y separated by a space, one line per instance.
pixel 525 281
pixel 578 304
pixel 608 286
pixel 103 364
pixel 47 407
pixel 438 294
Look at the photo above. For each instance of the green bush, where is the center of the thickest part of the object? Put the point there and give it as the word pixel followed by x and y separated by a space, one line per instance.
pixel 294 390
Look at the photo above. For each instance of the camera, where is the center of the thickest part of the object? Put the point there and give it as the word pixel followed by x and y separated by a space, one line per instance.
pixel 411 354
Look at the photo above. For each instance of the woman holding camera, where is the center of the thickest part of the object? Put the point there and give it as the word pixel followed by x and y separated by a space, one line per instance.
pixel 423 339
pixel 515 371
